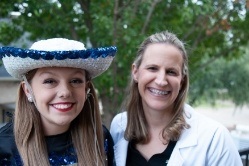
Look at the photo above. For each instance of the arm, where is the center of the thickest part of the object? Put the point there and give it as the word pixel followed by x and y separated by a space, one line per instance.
pixel 222 150
pixel 108 143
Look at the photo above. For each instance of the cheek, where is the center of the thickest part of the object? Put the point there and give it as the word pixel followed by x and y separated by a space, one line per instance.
pixel 178 85
pixel 80 95
pixel 144 77
pixel 139 87
pixel 43 96
pixel 142 84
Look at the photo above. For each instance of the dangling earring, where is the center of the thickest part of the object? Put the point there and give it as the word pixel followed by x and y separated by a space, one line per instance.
pixel 88 93
pixel 30 99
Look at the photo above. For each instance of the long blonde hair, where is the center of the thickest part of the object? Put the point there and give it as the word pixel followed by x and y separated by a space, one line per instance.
pixel 86 131
pixel 137 127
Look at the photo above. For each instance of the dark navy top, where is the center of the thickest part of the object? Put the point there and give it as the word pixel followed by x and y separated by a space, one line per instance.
pixel 60 148
pixel 134 157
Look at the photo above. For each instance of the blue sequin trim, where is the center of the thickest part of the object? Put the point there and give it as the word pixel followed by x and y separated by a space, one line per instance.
pixel 4 161
pixel 18 160
pixel 58 55
pixel 68 158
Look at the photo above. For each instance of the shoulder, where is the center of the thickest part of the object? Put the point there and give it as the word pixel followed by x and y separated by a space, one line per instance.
pixel 108 141
pixel 207 138
pixel 108 145
pixel 118 126
pixel 194 118
pixel 6 130
pixel 204 128
pixel 7 145
pixel 119 121
pixel 106 132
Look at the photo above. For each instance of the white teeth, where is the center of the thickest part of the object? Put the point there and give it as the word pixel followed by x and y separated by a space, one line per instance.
pixel 159 92
pixel 62 106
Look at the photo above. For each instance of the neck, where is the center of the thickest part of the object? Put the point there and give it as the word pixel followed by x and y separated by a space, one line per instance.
pixel 55 130
pixel 158 119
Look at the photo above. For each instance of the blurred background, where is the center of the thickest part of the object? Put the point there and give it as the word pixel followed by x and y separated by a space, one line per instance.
pixel 215 33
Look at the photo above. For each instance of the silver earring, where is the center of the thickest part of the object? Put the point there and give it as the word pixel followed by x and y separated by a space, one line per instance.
pixel 30 99
pixel 88 92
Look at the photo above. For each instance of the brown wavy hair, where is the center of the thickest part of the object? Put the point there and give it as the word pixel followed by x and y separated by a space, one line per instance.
pixel 30 139
pixel 137 127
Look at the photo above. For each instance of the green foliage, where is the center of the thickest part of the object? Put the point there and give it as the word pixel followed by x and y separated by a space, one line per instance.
pixel 235 79
pixel 212 30
pixel 223 79
pixel 9 33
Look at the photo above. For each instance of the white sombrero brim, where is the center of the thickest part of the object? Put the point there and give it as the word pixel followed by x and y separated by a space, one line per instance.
pixel 17 67
pixel 20 61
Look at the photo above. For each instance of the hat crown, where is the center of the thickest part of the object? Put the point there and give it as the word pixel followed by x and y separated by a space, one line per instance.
pixel 57 44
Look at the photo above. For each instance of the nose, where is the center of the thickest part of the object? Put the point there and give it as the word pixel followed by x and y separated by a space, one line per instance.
pixel 64 90
pixel 161 79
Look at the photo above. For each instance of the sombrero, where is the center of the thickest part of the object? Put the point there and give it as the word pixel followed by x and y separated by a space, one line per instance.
pixel 57 52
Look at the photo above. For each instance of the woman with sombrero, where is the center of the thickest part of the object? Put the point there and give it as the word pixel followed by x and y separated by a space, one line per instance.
pixel 57 119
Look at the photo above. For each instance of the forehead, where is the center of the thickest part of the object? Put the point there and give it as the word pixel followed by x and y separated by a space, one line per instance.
pixel 60 71
pixel 162 53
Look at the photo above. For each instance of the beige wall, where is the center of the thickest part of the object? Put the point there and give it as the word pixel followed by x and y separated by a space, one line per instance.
pixel 8 93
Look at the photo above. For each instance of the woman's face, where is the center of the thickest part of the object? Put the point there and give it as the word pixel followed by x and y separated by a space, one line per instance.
pixel 159 77
pixel 60 94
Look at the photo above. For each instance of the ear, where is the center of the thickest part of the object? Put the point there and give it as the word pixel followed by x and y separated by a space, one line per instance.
pixel 25 89
pixel 134 72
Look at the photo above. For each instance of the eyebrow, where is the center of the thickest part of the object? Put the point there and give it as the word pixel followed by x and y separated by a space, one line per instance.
pixel 73 73
pixel 152 64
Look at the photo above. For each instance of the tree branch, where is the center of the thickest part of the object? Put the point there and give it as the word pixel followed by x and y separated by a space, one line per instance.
pixel 153 5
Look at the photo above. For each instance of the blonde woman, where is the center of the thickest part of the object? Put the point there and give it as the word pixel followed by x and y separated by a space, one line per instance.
pixel 158 128
pixel 57 119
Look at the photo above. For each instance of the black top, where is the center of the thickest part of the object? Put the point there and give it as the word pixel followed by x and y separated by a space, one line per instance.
pixel 60 148
pixel 134 157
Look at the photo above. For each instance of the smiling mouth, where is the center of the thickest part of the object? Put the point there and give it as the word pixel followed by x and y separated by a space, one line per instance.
pixel 63 107
pixel 158 92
